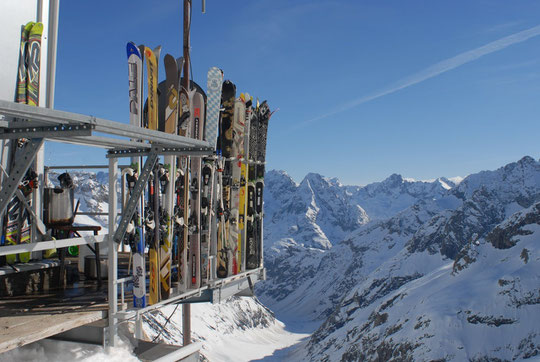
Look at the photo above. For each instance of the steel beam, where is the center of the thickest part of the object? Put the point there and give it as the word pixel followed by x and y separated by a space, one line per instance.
pixel 22 163
pixel 135 196
pixel 61 130
pixel 102 142
pixel 162 150
pixel 44 116
pixel 52 244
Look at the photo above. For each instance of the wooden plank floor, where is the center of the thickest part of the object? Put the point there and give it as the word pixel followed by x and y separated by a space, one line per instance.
pixel 27 319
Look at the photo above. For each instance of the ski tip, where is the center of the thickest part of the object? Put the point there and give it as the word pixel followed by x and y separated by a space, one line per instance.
pixel 169 59
pixel 157 51
pixel 215 70
pixel 37 29
pixel 180 63
pixel 29 26
pixel 148 52
pixel 132 49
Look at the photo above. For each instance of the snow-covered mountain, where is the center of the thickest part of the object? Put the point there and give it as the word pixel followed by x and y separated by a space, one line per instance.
pixel 319 212
pixel 423 283
pixel 303 222
pixel 396 270
pixel 91 190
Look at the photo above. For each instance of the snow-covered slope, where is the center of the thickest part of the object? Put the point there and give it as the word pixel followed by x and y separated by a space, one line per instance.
pixel 240 329
pixel 484 306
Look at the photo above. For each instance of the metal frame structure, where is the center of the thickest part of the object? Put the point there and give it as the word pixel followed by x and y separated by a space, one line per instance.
pixel 38 124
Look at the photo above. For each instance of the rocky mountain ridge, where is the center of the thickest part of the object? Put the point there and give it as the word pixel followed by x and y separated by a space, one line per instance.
pixel 349 286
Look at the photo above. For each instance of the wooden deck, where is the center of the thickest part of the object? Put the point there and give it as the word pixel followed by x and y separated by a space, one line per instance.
pixel 27 319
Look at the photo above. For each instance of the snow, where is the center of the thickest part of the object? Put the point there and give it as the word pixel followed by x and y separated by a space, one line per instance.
pixel 260 343
pixel 51 350
pixel 239 329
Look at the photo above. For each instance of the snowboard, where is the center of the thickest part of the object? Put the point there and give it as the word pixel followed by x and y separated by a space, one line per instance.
pixel 213 88
pixel 209 180
pixel 14 208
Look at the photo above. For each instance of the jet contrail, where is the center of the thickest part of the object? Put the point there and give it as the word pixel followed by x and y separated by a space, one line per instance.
pixel 436 69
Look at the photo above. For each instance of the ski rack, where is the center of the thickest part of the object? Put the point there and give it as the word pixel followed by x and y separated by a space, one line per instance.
pixel 215 292
pixel 120 140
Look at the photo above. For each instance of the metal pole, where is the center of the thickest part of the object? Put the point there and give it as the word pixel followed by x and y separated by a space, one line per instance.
pixel 186 323
pixel 39 11
pixel 54 7
pixel 187 26
pixel 186 308
pixel 52 39
pixel 113 253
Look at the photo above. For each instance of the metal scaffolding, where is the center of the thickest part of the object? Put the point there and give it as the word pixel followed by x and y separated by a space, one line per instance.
pixel 120 140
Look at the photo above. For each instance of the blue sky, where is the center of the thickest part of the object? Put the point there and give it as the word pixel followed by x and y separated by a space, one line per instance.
pixel 364 88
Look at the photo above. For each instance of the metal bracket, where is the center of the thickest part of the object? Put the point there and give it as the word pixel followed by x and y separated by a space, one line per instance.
pixel 60 130
pixel 162 150
pixel 135 196
pixel 22 163
pixel 39 224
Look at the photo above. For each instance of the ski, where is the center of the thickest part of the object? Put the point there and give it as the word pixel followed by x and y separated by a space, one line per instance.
pixel 184 129
pixel 236 159
pixel 135 74
pixel 152 58
pixel 207 178
pixel 264 115
pixel 225 144
pixel 152 123
pixel 33 68
pixel 197 128
pixel 251 250
pixel 23 61
pixel 170 126
pixel 242 210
